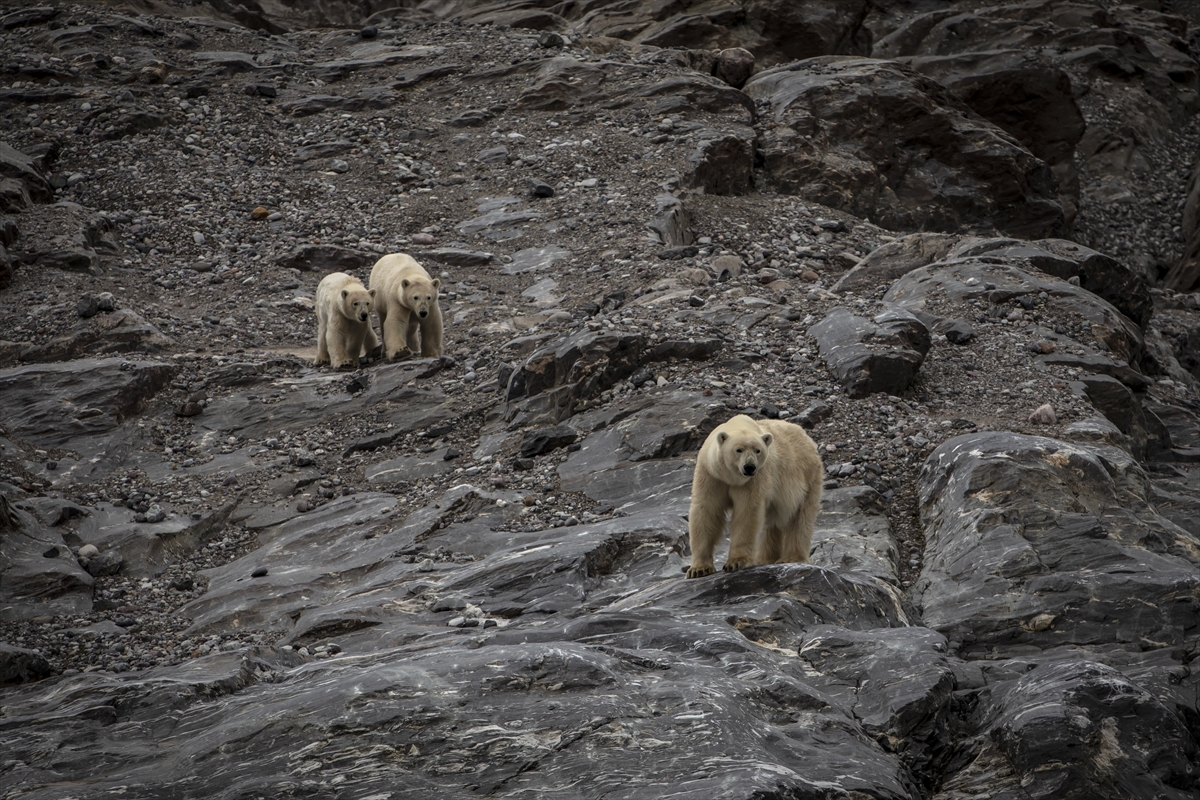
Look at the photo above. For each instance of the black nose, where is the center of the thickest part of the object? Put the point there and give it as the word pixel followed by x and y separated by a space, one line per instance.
pixel 747 469
pixel 422 314
pixel 363 317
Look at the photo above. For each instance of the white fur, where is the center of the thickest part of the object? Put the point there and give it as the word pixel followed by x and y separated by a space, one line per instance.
pixel 773 510
pixel 408 303
pixel 343 308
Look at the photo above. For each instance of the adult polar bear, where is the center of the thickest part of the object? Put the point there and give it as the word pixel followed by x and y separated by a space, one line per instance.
pixel 407 302
pixel 768 473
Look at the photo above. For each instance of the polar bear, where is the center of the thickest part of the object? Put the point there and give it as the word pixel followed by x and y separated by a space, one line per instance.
pixel 408 301
pixel 768 473
pixel 343 308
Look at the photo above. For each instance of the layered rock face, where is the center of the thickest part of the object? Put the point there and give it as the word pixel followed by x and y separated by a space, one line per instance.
pixel 952 244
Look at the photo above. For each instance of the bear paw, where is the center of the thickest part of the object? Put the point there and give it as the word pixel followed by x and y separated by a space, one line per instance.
pixel 400 355
pixel 734 564
pixel 700 572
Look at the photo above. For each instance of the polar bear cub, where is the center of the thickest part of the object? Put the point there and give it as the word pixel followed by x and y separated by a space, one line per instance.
pixel 343 308
pixel 408 303
pixel 769 475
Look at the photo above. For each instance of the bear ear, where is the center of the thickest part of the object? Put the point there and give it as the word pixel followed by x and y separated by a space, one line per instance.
pixel 437 283
pixel 722 437
pixel 404 283
pixel 345 293
pixel 371 292
pixel 767 438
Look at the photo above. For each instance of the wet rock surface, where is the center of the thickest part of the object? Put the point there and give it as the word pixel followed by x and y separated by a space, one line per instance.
pixel 952 243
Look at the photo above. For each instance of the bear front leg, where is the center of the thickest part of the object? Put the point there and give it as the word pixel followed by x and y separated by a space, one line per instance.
pixel 395 334
pixel 370 340
pixel 745 527
pixel 322 346
pixel 414 325
pixel 339 354
pixel 431 335
pixel 706 523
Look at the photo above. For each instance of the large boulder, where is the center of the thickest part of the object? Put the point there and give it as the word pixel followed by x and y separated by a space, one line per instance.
pixel 1033 542
pixel 50 405
pixel 883 142
pixel 994 283
pixel 883 354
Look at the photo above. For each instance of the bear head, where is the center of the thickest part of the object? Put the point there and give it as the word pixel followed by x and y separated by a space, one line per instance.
pixel 420 295
pixel 743 449
pixel 357 303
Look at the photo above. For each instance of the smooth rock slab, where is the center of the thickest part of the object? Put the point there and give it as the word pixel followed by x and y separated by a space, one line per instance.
pixel 38 573
pixel 1077 729
pixel 1038 543
pixel 50 405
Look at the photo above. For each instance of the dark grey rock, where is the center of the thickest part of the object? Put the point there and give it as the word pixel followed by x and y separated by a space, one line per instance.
pixel 543 440
pixel 540 188
pixel 38 574
pixel 1039 524
pixel 883 265
pixel 723 166
pixel 108 562
pixel 828 133
pixel 957 331
pixel 326 258
pixel 880 355
pixel 995 282
pixel 1021 750
pixel 815 413
pixel 458 257
pixel 124 331
pixel 20 665
pixel 672 222
pixel 50 405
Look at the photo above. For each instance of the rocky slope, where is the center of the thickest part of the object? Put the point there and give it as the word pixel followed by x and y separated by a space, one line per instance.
pixel 954 241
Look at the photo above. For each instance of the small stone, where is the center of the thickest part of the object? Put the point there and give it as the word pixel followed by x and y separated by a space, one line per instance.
pixel 423 238
pixel 198 238
pixel 959 331
pixel 457 622
pixel 540 188
pixel 1043 415
pixel 809 275
pixel 87 306
pixel 369 32
pixel 189 409
pixel 339 166
pixel 106 302
pixel 1041 622
pixel 1045 347
pixel 695 301
pixel 51 465
pixel 550 39
pixel 260 213
pixel 89 551
pixel 261 572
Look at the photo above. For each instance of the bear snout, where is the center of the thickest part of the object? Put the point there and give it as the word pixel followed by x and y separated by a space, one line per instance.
pixel 748 470
pixel 422 314
pixel 363 317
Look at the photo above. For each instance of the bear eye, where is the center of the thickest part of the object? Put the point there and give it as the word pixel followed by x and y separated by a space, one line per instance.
pixel 739 449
